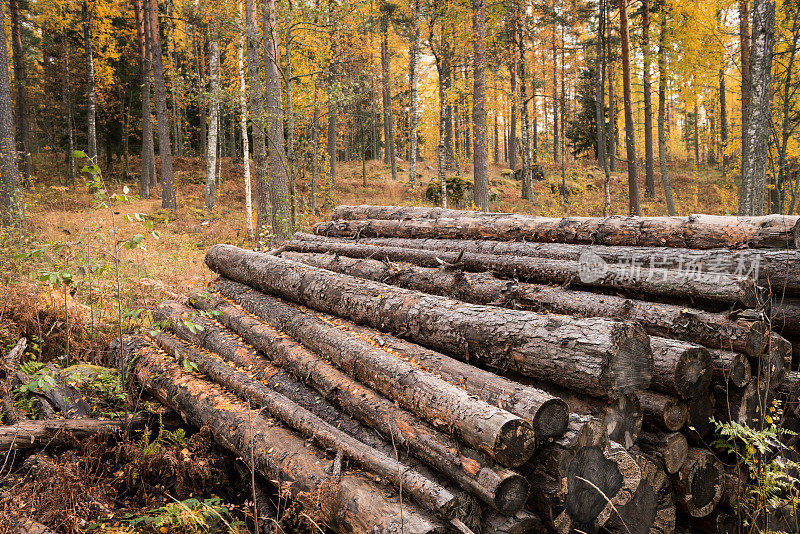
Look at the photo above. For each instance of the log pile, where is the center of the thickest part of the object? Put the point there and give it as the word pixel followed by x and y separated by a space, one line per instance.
pixel 427 370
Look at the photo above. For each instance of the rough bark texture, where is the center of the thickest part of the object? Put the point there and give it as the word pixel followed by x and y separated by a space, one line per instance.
pixel 349 504
pixel 53 432
pixel 693 231
pixel 481 150
pixel 778 270
pixel 599 356
pixel 147 176
pixel 662 411
pixel 785 316
pixel 23 132
pixel 587 271
pixel 738 404
pixel 699 483
pixel 650 183
pixel 498 487
pixel 630 127
pixel 680 368
pixel 662 111
pixel 733 367
pixel 257 114
pixel 670 448
pixel 10 207
pixel 521 523
pixel 9 366
pixel 388 116
pixel 651 510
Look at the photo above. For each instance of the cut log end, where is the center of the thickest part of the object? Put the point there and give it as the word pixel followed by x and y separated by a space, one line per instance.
pixel 511 494
pixel 516 441
pixel 700 412
pixel 632 366
pixel 693 372
pixel 591 478
pixel 623 419
pixel 551 419
pixel 663 411
pixel 699 483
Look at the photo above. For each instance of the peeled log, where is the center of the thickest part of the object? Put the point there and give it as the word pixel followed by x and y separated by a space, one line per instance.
pixel 680 368
pixel 663 411
pixel 733 367
pixel 716 330
pixel 651 510
pixel 547 413
pixel 671 448
pixel 349 504
pixel 424 491
pixel 699 483
pixel 694 231
pixel 587 271
pixel 776 269
pixel 498 487
pixel 597 356
pixel 27 434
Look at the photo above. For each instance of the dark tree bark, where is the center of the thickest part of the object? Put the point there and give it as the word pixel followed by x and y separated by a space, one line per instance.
pixel 738 404
pixel 10 205
pixel 759 117
pixel 512 132
pixel 500 488
pixel 630 128
pixel 90 85
pixel 723 120
pixel 733 367
pixel 55 432
pixel 744 59
pixel 521 523
pixel 613 132
pixel 662 411
pixel 23 133
pixel 480 167
pixel 698 484
pixel 256 98
pixel 600 113
pixel 698 420
pixel 614 358
pixel 147 176
pixel 650 183
pixel 662 111
pixel 388 117
pixel 671 448
pixel 168 200
pixel 680 368
pixel 249 435
pixel 527 172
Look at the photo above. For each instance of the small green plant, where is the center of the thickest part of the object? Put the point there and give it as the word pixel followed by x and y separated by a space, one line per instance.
pixel 187 516
pixel 164 438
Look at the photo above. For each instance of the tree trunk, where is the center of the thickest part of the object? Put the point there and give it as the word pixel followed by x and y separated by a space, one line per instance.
pixel 315 152
pixel 654 281
pixel 213 126
pixel 650 183
pixel 612 103
pixel 91 131
pixel 671 449
pixel 630 128
pixel 600 109
pixel 527 173
pixel 23 133
pixel 248 193
pixel 662 411
pixel 480 165
pixel 723 121
pixel 388 116
pixel 168 200
pixel 698 484
pixel 496 432
pixel 413 75
pixel 496 486
pixel 257 117
pixel 56 432
pixel 555 94
pixel 10 204
pixel 614 358
pixel 694 231
pixel 759 118
pixel 521 523
pixel 662 112
pixel 247 434
pixel 278 181
pixel 740 405
pixel 680 368
pixel 733 367
pixel 512 132
pixel 744 57
pixel 68 120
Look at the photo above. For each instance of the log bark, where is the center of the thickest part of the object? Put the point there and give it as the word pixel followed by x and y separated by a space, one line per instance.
pixel 698 484
pixel 662 411
pixel 733 367
pixel 482 288
pixel 422 490
pixel 588 271
pixel 53 432
pixel 598 356
pixel 777 269
pixel 500 488
pixel 9 366
pixel 790 390
pixel 776 361
pixel 785 316
pixel 651 510
pixel 507 438
pixel 670 448
pixel 521 523
pixel 547 413
pixel 679 368
pixel 694 231
pixel 699 414
pixel 347 504
pixel 738 404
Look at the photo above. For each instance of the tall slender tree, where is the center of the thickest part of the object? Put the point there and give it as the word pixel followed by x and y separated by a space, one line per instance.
pixel 527 176
pixel 512 132
pixel 649 179
pixel 147 177
pixel 213 126
pixel 248 193
pixel 481 152
pixel 10 206
pixel 387 9
pixel 413 75
pixel 662 108
pixel 600 108
pixel 91 105
pixel 630 128
pixel 256 97
pixel 744 57
pixel 23 133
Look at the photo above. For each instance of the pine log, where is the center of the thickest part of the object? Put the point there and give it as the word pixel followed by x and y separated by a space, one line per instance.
pixel 662 411
pixel 507 438
pixel 9 366
pixel 423 491
pixel 785 316
pixel 348 503
pixel 670 448
pixel 733 367
pixel 498 487
pixel 715 330
pixel 790 390
pixel 547 413
pixel 699 414
pixel 27 434
pixel 776 269
pixel 598 356
pixel 680 368
pixel 520 523
pixel 738 404
pixel 587 271
pixel 694 231
pixel 772 369
pixel 651 510
pixel 699 483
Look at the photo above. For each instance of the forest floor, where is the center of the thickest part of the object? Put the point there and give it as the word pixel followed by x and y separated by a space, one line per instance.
pixel 83 268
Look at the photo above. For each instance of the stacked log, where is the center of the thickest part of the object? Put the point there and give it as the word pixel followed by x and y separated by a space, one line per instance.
pixel 505 373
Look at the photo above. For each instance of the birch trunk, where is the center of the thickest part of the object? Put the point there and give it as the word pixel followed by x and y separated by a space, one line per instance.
pixel 248 194
pixel 213 126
